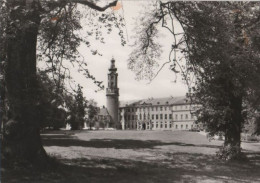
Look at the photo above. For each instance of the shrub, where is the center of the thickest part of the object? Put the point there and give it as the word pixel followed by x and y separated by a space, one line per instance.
pixel 229 152
pixel 252 138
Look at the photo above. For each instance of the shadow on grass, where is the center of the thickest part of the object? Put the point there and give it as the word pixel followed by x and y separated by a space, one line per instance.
pixel 179 167
pixel 66 141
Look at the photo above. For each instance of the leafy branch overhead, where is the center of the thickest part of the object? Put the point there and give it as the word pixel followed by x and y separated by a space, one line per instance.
pixel 217 53
pixel 42 34
pixel 60 32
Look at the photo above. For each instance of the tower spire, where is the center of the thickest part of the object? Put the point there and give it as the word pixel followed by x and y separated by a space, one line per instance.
pixel 112 66
pixel 112 93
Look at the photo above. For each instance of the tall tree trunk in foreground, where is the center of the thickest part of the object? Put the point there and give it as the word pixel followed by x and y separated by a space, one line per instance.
pixel 21 137
pixel 232 143
pixel 21 134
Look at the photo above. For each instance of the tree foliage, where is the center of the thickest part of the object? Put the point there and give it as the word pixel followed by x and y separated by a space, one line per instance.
pixel 219 45
pixel 32 31
pixel 77 110
pixel 52 107
pixel 92 113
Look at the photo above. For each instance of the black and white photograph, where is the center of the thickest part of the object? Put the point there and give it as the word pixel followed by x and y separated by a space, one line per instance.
pixel 129 91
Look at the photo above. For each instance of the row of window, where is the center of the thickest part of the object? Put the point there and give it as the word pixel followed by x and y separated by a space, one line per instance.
pixel 161 116
pixel 130 125
pixel 170 126
pixel 163 125
pixel 157 108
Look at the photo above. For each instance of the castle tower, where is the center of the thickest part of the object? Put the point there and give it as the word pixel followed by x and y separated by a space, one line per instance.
pixel 112 94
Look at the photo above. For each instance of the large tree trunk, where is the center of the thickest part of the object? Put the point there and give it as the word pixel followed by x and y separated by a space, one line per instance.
pixel 21 137
pixel 232 143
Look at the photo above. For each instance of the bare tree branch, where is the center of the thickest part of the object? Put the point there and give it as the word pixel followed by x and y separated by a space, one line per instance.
pixel 90 3
pixel 93 5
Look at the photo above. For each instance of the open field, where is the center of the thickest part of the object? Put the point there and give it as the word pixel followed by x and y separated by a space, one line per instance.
pixel 138 156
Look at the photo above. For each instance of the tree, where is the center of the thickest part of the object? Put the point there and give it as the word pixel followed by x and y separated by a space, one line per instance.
pixel 22 23
pixel 77 112
pixel 92 112
pixel 51 110
pixel 219 45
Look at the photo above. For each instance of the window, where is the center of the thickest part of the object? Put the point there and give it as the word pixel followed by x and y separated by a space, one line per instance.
pixel 152 116
pixel 176 116
pixel 144 116
pixel 165 108
pixel 133 117
pixel 156 116
pixel 161 108
pixel 165 125
pixel 129 117
pixel 152 108
pixel 191 126
pixel 161 125
pixel 156 108
pixel 181 126
pixel 170 116
pixel 170 125
pixel 152 125
pixel 156 124
pixel 161 116
pixel 165 116
pixel 133 110
pixel 186 116
pixel 181 116
pixel 140 116
pixel 186 126
pixel 176 126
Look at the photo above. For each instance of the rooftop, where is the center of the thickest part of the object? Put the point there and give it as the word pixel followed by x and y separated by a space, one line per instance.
pixel 103 112
pixel 155 101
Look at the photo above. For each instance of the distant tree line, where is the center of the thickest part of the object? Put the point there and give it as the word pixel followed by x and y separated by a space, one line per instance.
pixel 58 107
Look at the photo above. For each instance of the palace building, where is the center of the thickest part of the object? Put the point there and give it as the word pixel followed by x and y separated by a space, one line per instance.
pixel 171 113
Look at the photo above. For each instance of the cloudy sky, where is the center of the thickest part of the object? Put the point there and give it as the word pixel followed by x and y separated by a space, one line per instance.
pixel 129 88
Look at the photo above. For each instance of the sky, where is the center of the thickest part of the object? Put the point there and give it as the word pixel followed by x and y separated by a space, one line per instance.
pixel 164 85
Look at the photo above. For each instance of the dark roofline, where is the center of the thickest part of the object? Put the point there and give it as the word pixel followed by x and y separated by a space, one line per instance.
pixel 149 102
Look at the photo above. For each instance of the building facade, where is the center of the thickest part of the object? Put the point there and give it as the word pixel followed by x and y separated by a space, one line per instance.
pixel 172 113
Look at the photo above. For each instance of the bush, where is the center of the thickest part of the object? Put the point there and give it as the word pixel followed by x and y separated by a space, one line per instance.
pixel 248 137
pixel 252 138
pixel 229 152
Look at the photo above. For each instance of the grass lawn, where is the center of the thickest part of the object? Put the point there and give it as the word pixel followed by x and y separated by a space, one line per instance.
pixel 138 156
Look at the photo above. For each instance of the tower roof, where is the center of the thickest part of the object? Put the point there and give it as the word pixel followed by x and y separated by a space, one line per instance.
pixel 112 66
